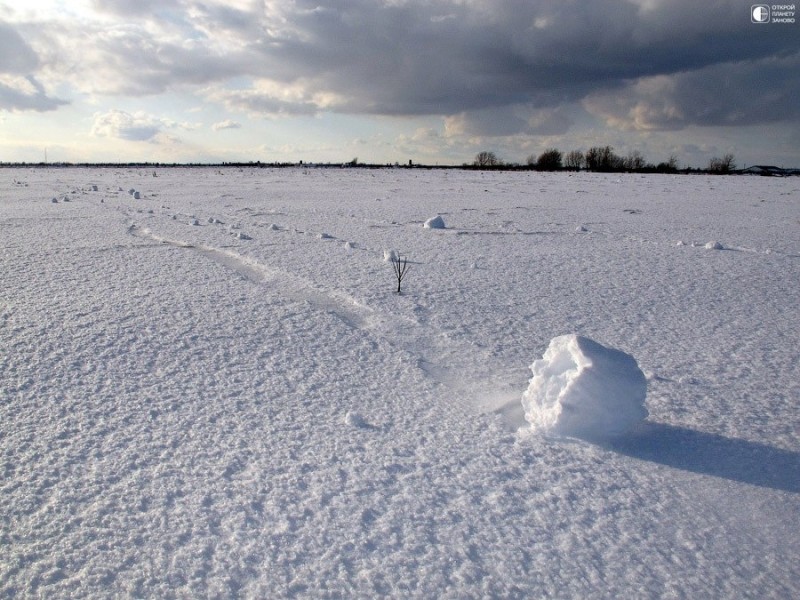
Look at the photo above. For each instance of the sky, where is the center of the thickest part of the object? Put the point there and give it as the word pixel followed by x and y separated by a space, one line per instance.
pixel 385 81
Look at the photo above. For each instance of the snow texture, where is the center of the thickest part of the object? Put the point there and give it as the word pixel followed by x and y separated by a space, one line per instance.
pixel 583 389
pixel 189 414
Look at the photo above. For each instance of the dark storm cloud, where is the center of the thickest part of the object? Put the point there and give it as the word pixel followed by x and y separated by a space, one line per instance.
pixel 732 94
pixel 447 57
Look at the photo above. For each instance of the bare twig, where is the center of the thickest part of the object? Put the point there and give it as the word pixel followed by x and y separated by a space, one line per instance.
pixel 400 265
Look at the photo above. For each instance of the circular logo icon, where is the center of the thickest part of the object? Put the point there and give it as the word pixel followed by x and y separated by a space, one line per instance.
pixel 759 13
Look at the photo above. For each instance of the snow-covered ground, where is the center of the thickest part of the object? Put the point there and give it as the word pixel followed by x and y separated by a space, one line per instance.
pixel 213 390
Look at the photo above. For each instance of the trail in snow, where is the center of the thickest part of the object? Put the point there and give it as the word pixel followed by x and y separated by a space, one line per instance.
pixel 412 335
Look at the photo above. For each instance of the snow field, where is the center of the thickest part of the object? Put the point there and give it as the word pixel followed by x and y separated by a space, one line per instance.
pixel 187 412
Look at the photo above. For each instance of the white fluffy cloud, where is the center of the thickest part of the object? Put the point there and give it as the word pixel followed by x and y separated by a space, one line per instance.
pixel 136 127
pixel 226 124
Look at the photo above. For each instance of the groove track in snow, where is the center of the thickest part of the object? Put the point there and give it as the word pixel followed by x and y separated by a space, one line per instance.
pixel 290 286
pixel 434 353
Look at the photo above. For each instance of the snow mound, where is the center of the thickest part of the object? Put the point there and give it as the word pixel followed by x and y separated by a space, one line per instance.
pixel 713 246
pixel 581 229
pixel 353 419
pixel 390 256
pixel 583 389
pixel 436 222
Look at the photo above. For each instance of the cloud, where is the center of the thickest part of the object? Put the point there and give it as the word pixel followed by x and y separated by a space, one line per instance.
pixel 129 9
pixel 136 127
pixel 259 101
pixel 226 124
pixel 406 58
pixel 509 120
pixel 731 94
pixel 19 89
pixel 24 93
pixel 16 56
pixel 125 126
pixel 491 68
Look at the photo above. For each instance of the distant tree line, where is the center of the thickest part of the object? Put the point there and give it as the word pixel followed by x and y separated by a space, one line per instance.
pixel 601 159
pixel 597 158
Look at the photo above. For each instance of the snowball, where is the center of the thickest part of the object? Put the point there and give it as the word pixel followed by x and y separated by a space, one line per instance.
pixel 325 236
pixel 54 200
pixel 137 195
pixel 713 246
pixel 583 389
pixel 243 236
pixel 436 222
pixel 390 256
pixel 581 229
pixel 349 246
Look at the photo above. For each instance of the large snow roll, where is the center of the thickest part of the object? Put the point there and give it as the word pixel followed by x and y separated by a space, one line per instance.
pixel 581 388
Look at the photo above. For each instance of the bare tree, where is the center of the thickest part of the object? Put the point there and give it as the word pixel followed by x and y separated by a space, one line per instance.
pixel 487 159
pixel 668 166
pixel 573 159
pixel 602 158
pixel 634 161
pixel 723 165
pixel 400 265
pixel 672 162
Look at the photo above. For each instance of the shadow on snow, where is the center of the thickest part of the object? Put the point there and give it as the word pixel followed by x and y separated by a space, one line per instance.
pixel 710 454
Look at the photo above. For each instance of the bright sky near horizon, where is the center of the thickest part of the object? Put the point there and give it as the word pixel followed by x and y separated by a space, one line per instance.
pixel 432 81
